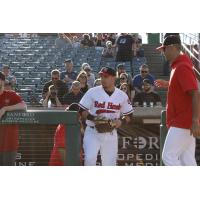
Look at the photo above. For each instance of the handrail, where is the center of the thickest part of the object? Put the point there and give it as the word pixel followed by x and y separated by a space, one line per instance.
pixel 193 38
pixel 195 68
pixel 190 53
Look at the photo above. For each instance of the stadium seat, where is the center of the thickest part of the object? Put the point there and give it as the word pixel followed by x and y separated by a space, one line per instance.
pixel 43 69
pixel 21 74
pixel 32 81
pixel 38 75
pixel 19 81
pixel 39 88
pixel 27 69
pixel 25 96
pixel 27 87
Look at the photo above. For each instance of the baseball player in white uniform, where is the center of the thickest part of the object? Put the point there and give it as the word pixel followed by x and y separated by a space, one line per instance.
pixel 111 103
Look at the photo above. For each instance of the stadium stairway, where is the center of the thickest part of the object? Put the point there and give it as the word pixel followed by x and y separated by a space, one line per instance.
pixel 154 59
pixel 155 62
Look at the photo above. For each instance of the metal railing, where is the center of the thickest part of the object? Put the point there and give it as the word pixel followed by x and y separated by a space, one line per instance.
pixel 189 40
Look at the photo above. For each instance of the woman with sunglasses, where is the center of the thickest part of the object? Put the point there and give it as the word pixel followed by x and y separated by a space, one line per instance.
pixel 82 78
pixel 124 80
pixel 125 88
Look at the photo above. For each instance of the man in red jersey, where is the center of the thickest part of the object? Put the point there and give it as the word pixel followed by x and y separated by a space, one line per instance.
pixel 58 152
pixel 182 106
pixel 9 101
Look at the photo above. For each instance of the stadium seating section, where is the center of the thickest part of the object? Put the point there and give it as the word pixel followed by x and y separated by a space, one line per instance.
pixel 32 59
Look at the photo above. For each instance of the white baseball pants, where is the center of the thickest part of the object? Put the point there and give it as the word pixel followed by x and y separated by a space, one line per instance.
pixel 107 143
pixel 179 148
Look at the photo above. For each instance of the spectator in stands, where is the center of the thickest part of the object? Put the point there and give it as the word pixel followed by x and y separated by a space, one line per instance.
pixel 97 82
pixel 52 94
pixel 92 37
pixel 82 78
pixel 121 69
pixel 124 80
pixel 69 75
pixel 87 42
pixel 138 79
pixel 9 101
pixel 75 43
pixel 112 38
pixel 108 51
pixel 124 46
pixel 147 97
pixel 11 79
pixel 90 76
pixel 59 86
pixel 63 42
pixel 125 87
pixel 99 40
pixel 137 45
pixel 74 95
pixel 7 85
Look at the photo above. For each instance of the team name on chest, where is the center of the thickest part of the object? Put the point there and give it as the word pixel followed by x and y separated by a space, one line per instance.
pixel 109 105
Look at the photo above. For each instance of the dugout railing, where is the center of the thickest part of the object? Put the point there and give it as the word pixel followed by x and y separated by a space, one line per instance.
pixel 53 117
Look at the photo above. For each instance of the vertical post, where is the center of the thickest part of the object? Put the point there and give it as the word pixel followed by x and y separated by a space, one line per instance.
pixel 73 144
pixel 199 49
pixel 163 134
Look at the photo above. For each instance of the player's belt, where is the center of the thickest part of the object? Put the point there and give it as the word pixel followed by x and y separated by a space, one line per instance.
pixel 93 127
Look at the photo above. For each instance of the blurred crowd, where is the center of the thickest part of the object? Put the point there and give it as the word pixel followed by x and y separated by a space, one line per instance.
pixel 69 86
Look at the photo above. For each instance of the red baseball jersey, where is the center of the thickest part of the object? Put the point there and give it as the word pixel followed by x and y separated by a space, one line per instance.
pixel 9 133
pixel 179 102
pixel 59 142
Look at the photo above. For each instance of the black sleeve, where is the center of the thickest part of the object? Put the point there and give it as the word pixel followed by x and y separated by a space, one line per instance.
pixel 64 89
pixel 45 89
pixel 65 100
pixel 157 97
pixel 137 98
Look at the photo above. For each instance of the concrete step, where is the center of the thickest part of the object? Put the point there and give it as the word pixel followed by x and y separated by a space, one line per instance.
pixel 154 59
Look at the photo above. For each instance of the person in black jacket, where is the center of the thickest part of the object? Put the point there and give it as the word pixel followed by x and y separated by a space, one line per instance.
pixel 147 97
pixel 74 95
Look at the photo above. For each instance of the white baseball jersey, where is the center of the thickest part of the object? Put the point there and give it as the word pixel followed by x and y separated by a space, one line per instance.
pixel 97 102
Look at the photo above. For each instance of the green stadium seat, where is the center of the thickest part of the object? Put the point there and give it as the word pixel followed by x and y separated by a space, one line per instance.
pixel 21 74
pixel 32 81
pixel 19 81
pixel 38 75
